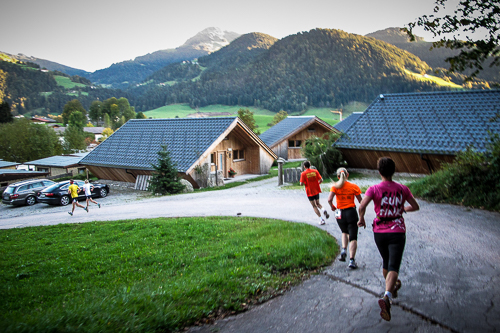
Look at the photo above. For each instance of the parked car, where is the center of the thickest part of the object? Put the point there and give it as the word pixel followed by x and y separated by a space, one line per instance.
pixel 57 194
pixel 25 192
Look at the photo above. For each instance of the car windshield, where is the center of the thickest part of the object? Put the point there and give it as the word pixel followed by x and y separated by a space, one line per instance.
pixel 9 189
pixel 52 187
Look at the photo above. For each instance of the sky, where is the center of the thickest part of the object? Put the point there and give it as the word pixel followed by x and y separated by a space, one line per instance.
pixel 93 34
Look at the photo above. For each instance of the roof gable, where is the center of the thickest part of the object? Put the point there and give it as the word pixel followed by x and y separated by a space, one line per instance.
pixel 344 125
pixel 438 122
pixel 136 144
pixel 287 127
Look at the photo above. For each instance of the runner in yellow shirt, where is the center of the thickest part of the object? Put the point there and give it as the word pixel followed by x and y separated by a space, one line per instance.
pixel 73 190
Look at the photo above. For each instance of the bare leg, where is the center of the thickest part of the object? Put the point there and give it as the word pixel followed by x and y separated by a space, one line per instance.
pixel 390 280
pixel 313 204
pixel 353 246
pixel 345 240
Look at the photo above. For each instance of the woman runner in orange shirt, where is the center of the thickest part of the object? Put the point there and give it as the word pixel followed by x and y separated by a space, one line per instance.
pixel 346 214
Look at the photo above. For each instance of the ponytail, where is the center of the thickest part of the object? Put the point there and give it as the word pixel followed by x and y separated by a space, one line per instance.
pixel 342 174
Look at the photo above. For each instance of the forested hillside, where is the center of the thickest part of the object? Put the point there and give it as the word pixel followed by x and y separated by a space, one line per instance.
pixel 435 57
pixel 28 90
pixel 319 68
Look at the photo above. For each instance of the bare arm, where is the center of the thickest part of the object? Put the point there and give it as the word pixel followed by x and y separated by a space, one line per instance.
pixel 413 207
pixel 362 210
pixel 330 200
pixel 359 198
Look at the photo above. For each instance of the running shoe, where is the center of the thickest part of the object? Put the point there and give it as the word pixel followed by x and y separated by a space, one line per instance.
pixel 352 264
pixel 99 205
pixel 87 209
pixel 326 214
pixel 385 308
pixel 343 255
pixel 70 213
pixel 396 288
pixel 321 222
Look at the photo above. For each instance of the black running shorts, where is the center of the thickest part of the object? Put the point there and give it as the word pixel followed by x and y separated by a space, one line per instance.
pixel 313 197
pixel 348 223
pixel 391 247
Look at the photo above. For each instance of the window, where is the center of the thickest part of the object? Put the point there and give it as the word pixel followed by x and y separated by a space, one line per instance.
pixel 294 143
pixel 238 154
pixel 311 129
pixel 212 158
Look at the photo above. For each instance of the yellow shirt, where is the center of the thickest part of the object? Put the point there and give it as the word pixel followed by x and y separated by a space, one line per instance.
pixel 74 190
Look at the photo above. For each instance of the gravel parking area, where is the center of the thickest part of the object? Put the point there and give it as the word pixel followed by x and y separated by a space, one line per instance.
pixel 119 192
pixel 122 192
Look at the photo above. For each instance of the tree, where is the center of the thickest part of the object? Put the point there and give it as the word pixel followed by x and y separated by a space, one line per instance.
pixel 22 141
pixel 95 111
pixel 74 140
pixel 140 115
pixel 279 117
pixel 470 16
pixel 70 107
pixel 247 117
pixel 5 113
pixel 165 179
pixel 105 134
pixel 77 119
pixel 107 121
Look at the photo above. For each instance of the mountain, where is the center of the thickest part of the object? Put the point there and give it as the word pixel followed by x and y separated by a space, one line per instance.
pixel 322 67
pixel 422 49
pixel 50 65
pixel 131 72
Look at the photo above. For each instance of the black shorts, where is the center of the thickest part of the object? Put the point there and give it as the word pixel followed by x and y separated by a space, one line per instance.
pixel 348 223
pixel 313 197
pixel 391 246
pixel 74 199
pixel 88 197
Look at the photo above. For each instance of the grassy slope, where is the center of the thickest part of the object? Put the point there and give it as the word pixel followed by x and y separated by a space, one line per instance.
pixel 434 79
pixel 156 275
pixel 66 82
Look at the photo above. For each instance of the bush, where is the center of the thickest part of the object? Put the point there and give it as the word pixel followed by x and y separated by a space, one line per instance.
pixel 320 153
pixel 473 179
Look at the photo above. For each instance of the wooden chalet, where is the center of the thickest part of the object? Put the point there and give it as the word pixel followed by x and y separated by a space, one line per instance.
pixel 420 131
pixel 286 137
pixel 224 143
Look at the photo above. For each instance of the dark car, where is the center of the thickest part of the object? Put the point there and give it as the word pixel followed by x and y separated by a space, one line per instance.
pixel 25 192
pixel 57 194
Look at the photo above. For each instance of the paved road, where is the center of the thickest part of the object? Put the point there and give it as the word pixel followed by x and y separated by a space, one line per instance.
pixel 450 270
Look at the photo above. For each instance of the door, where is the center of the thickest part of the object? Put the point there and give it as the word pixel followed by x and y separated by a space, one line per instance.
pixel 222 163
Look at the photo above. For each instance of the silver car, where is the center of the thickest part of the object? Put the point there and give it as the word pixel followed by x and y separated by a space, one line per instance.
pixel 25 192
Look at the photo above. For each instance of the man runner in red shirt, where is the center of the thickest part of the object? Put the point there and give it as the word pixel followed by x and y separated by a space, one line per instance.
pixel 312 180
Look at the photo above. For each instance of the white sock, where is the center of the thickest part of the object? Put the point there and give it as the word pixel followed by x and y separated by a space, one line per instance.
pixel 388 294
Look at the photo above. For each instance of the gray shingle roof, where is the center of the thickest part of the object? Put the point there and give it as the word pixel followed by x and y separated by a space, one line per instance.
pixel 136 144
pixel 5 164
pixel 344 125
pixel 437 122
pixel 283 129
pixel 56 161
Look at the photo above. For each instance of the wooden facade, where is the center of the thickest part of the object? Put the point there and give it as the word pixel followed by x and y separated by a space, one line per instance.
pixel 405 162
pixel 290 148
pixel 238 148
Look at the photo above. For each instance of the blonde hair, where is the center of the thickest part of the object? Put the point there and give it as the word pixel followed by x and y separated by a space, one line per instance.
pixel 342 174
pixel 86 181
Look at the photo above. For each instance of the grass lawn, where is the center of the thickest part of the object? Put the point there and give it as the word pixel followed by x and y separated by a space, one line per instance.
pixel 154 275
pixel 434 79
pixel 66 82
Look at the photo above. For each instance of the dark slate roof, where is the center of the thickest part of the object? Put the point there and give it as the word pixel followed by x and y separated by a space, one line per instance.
pixel 22 172
pixel 283 129
pixel 344 125
pixel 56 161
pixel 437 122
pixel 136 144
pixel 6 164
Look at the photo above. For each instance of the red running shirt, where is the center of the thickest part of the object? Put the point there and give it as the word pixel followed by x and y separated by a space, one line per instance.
pixel 310 178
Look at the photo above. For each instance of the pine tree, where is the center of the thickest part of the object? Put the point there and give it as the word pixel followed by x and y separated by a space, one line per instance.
pixel 164 179
pixel 5 113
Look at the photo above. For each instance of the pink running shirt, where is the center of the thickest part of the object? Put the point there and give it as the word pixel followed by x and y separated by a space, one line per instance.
pixel 389 199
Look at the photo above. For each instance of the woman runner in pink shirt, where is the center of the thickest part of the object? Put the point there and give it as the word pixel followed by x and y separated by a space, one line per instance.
pixel 389 228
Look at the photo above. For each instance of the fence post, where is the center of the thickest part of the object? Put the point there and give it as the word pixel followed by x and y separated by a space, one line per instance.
pixel 280 161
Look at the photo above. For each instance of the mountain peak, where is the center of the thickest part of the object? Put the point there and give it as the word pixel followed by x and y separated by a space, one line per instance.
pixel 211 39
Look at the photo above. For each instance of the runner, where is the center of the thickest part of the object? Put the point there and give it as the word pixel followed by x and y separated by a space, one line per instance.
pixel 73 190
pixel 346 214
pixel 88 193
pixel 312 180
pixel 389 228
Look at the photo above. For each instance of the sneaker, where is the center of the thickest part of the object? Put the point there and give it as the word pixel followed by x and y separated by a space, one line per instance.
pixel 87 209
pixel 326 214
pixel 321 221
pixel 385 308
pixel 99 205
pixel 70 213
pixel 352 264
pixel 396 288
pixel 343 255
